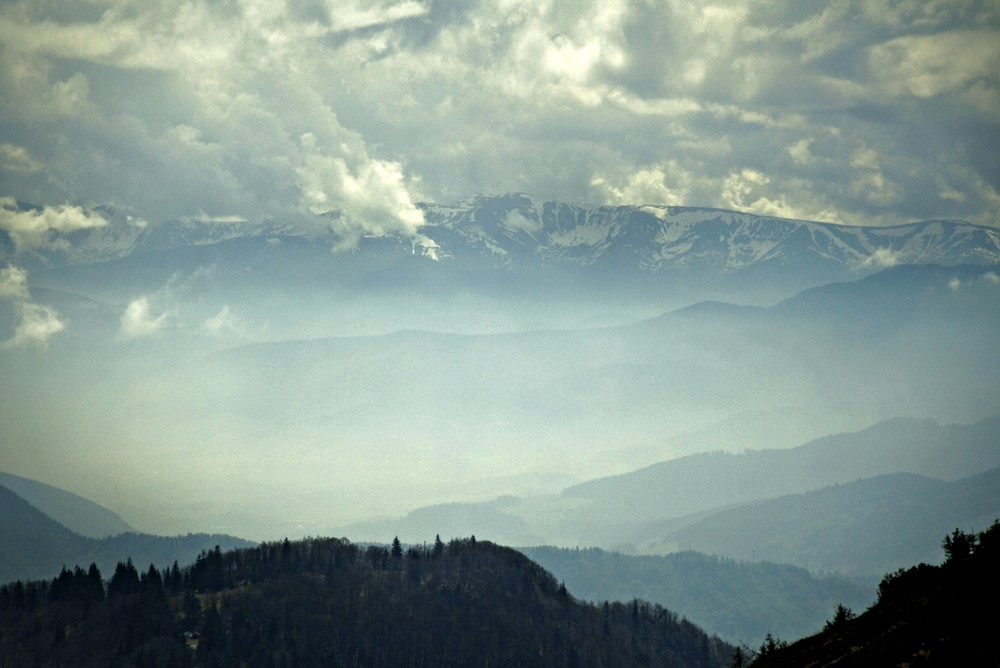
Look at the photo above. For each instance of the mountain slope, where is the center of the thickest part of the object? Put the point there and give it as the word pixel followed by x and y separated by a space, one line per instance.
pixel 738 600
pixel 924 616
pixel 433 417
pixel 636 511
pixel 711 480
pixel 32 540
pixel 36 546
pixel 74 512
pixel 861 528
pixel 514 229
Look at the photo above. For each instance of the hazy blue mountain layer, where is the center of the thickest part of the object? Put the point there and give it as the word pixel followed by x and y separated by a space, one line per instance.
pixel 255 382
pixel 741 601
pixel 74 512
pixel 36 546
pixel 861 528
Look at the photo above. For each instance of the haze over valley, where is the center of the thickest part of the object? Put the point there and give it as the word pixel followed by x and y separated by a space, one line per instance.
pixel 194 397
pixel 694 303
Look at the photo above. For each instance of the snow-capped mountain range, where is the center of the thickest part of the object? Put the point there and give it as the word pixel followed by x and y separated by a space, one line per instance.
pixel 516 228
pixel 518 231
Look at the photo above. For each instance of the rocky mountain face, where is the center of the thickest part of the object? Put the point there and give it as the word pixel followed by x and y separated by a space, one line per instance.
pixel 517 231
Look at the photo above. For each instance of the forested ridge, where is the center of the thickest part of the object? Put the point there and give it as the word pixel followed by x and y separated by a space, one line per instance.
pixel 328 602
pixel 924 616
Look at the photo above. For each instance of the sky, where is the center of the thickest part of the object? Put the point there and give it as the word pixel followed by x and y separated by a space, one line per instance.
pixel 854 111
pixel 874 112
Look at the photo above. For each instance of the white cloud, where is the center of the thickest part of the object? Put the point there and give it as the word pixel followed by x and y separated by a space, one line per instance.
pixel 14 283
pixel 870 182
pixel 371 198
pixel 666 183
pixel 929 65
pixel 17 159
pixel 881 258
pixel 31 228
pixel 222 324
pixel 173 108
pixel 36 323
pixel 138 321
pixel 801 152
pixel 865 157
pixel 348 16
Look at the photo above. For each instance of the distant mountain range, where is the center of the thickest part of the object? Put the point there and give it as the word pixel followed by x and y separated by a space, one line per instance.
pixel 518 243
pixel 738 601
pixel 517 230
pixel 433 417
pixel 870 526
pixel 857 503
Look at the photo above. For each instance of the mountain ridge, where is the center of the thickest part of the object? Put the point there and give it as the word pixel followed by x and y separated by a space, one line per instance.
pixel 74 512
pixel 36 545
pixel 516 229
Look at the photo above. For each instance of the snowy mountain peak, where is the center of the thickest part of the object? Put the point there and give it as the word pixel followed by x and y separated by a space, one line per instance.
pixel 517 230
pixel 513 228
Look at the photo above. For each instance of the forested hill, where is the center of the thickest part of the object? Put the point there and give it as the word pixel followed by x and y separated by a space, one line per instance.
pixel 327 602
pixel 925 616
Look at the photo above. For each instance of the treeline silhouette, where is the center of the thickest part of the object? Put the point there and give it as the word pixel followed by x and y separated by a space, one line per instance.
pixel 328 602
pixel 924 616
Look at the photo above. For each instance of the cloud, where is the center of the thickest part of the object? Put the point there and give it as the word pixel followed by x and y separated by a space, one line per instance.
pixel 14 283
pixel 372 198
pixel 800 151
pixel 665 183
pixel 36 323
pixel 137 321
pixel 222 325
pixel 929 65
pixel 881 258
pixel 17 159
pixel 292 110
pixel 31 228
pixel 350 17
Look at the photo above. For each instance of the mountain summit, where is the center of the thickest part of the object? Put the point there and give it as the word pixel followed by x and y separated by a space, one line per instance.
pixel 519 232
pixel 515 229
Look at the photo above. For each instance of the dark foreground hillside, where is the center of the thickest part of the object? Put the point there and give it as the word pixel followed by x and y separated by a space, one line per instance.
pixel 925 616
pixel 327 602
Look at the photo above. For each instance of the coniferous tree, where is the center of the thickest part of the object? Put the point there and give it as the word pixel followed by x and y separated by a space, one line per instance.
pixel 95 583
pixel 958 546
pixel 841 615
pixel 770 645
pixel 192 611
pixel 438 546
pixel 125 580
